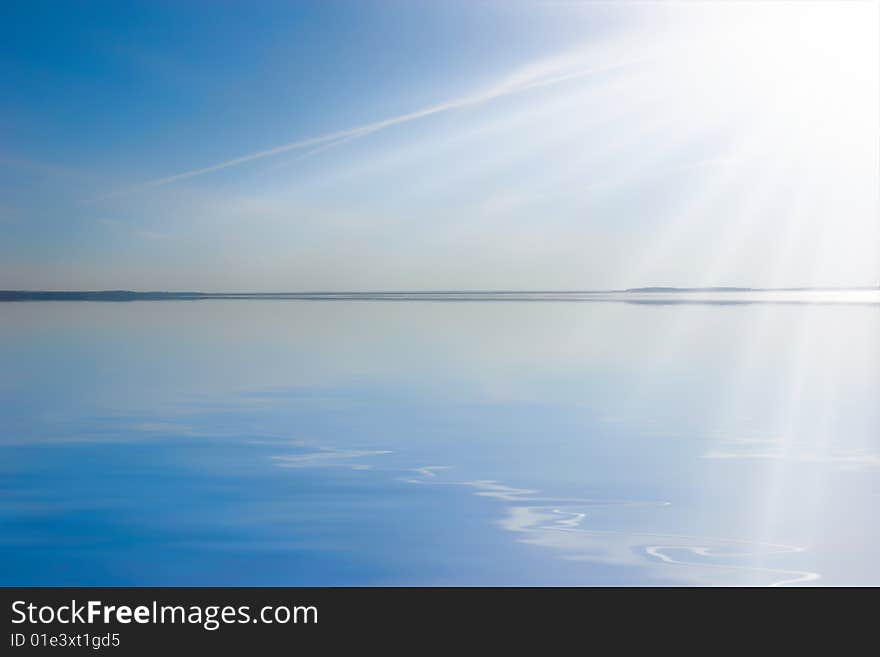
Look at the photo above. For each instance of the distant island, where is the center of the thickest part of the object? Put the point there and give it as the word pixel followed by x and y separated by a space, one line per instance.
pixel 745 289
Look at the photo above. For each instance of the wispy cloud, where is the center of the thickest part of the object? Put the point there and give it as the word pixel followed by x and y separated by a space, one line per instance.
pixel 547 72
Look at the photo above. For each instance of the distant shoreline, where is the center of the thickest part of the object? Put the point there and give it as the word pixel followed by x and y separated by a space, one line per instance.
pixel 428 295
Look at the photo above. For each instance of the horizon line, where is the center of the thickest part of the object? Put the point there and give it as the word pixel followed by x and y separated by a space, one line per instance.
pixel 641 289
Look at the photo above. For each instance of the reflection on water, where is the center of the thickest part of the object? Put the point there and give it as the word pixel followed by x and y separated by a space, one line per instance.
pixel 288 442
pixel 560 523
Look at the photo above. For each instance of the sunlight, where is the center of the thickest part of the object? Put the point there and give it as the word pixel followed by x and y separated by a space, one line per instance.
pixel 796 87
pixel 807 66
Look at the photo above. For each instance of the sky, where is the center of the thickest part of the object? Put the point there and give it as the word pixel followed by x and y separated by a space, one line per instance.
pixel 287 146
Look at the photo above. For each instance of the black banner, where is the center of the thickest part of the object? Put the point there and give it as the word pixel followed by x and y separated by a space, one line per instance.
pixel 126 621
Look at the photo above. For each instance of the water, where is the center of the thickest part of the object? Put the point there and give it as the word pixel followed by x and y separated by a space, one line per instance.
pixel 351 442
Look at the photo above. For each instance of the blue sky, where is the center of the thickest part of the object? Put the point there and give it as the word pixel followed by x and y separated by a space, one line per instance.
pixel 397 145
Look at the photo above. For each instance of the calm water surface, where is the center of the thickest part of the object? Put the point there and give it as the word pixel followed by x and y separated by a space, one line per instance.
pixel 242 442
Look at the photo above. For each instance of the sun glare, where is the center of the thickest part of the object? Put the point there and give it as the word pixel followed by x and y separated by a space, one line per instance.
pixel 790 62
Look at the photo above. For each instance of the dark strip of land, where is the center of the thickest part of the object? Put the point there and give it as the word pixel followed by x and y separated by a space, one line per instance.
pixel 433 295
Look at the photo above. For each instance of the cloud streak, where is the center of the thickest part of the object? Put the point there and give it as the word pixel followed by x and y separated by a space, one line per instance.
pixel 548 72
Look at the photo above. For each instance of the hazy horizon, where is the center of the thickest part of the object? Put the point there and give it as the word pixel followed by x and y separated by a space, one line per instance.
pixel 640 288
